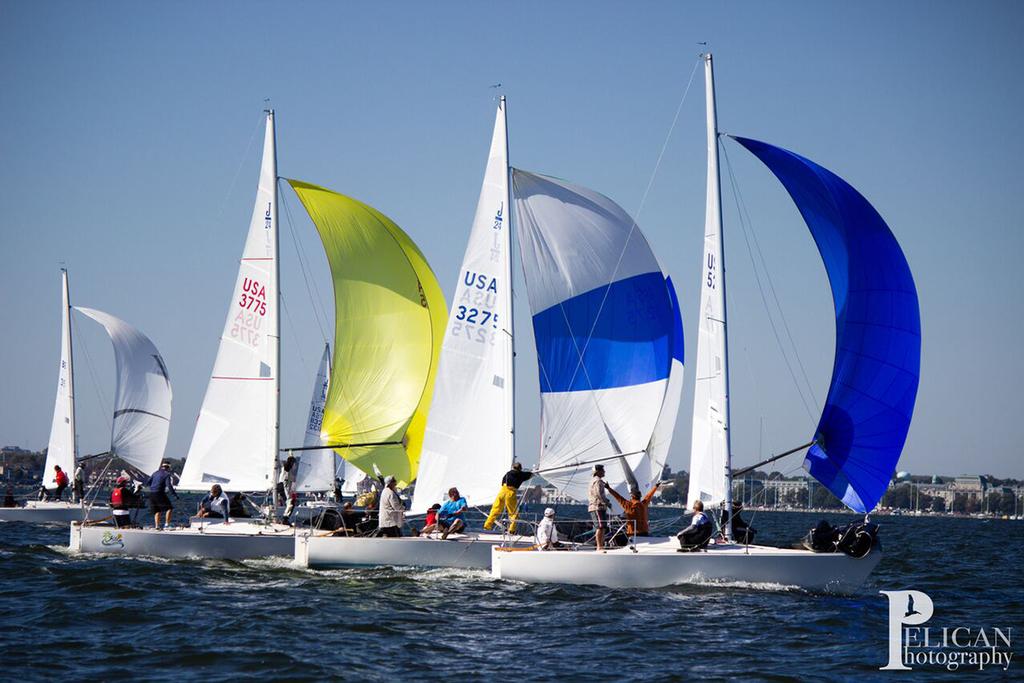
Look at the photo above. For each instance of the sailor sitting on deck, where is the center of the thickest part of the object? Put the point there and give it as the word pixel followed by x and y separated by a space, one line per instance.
pixel 697 535
pixel 452 516
pixel 215 505
pixel 741 531
pixel 547 532
pixel 430 521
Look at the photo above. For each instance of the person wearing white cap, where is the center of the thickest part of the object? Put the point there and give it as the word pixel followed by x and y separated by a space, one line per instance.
pixel 547 533
pixel 391 513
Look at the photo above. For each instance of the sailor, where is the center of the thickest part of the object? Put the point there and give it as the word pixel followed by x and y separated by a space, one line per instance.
pixel 597 505
pixel 547 533
pixel 60 478
pixel 391 513
pixel 286 480
pixel 635 509
pixel 160 484
pixel 700 530
pixel 430 522
pixel 120 503
pixel 215 505
pixel 507 497
pixel 9 501
pixel 78 486
pixel 452 515
pixel 237 507
pixel 741 531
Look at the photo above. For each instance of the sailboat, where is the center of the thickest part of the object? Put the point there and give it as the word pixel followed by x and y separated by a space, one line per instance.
pixel 865 420
pixel 236 442
pixel 469 439
pixel 142 413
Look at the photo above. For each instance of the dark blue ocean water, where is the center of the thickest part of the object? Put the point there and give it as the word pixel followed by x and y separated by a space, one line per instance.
pixel 84 617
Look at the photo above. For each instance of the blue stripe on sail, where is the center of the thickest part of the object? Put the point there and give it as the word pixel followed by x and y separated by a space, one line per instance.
pixel 678 348
pixel 629 344
pixel 870 402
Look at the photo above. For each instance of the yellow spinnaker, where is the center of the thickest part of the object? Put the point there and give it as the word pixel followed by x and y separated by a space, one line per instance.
pixel 390 317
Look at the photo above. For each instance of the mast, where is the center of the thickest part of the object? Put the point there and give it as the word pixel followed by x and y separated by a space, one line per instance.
pixel 508 276
pixel 276 332
pixel 71 368
pixel 714 228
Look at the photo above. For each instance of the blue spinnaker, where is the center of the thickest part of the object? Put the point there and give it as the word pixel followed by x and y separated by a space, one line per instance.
pixel 870 402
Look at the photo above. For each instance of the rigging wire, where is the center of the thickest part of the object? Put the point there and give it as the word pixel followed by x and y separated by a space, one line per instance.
pixel 764 299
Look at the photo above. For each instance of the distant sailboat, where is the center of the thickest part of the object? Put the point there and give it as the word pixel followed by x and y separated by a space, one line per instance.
pixel 867 413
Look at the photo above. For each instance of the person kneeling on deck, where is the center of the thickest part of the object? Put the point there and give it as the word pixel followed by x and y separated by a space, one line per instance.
pixel 452 516
pixel 215 505
pixel 635 509
pixel 507 497
pixel 547 533
pixel 391 513
pixel 697 535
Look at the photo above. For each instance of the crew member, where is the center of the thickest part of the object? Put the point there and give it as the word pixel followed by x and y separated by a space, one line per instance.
pixel 391 513
pixel 60 478
pixel 699 532
pixel 78 487
pixel 508 497
pixel 741 531
pixel 215 505
pixel 452 515
pixel 597 505
pixel 160 484
pixel 635 509
pixel 120 503
pixel 547 533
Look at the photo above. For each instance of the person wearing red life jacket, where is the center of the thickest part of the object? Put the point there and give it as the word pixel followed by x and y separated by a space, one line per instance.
pixel 119 503
pixel 61 480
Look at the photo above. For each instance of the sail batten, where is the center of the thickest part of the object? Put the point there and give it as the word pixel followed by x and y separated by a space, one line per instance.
pixel 142 399
pixel 389 320
pixel 604 322
pixel 875 375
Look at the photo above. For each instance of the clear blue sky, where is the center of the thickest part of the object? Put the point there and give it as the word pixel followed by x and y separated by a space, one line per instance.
pixel 127 150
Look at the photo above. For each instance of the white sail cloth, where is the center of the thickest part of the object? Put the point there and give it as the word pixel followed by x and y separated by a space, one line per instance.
pixel 61 448
pixel 468 441
pixel 142 402
pixel 236 437
pixel 317 468
pixel 603 324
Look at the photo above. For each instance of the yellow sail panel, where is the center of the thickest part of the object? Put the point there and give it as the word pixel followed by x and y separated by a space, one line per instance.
pixel 390 316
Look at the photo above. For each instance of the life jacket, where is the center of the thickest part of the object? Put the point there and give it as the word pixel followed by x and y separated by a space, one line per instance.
pixel 117 496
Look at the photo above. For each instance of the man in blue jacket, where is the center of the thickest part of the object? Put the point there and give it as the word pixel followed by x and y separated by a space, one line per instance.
pixel 161 483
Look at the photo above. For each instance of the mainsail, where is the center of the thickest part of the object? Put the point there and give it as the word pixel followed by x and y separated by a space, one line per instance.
pixel 867 413
pixel 235 443
pixel 389 321
pixel 469 432
pixel 603 321
pixel 61 450
pixel 317 467
pixel 142 401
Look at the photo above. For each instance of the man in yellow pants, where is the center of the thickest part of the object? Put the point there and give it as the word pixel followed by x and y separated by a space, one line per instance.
pixel 507 497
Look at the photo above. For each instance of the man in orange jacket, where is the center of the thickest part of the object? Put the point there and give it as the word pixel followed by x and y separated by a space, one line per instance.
pixel 635 508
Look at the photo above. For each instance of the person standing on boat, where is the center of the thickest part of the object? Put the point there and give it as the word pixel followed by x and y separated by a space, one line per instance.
pixel 635 509
pixel 78 488
pixel 391 513
pixel 60 478
pixel 547 533
pixel 452 516
pixel 597 505
pixel 508 497
pixel 216 504
pixel 161 484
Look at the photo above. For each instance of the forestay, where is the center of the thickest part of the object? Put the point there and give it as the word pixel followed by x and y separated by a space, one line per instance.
pixel 142 401
pixel 389 321
pixel 469 432
pixel 603 321
pixel 236 438
pixel 317 467
pixel 61 449
pixel 870 401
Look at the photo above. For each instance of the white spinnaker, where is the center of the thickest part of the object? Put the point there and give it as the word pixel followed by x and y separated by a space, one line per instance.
pixel 236 437
pixel 709 447
pixel 581 252
pixel 469 441
pixel 317 467
pixel 142 401
pixel 61 449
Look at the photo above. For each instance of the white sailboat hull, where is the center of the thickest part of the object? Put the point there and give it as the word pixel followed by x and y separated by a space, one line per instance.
pixel 47 512
pixel 470 551
pixel 236 541
pixel 657 565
